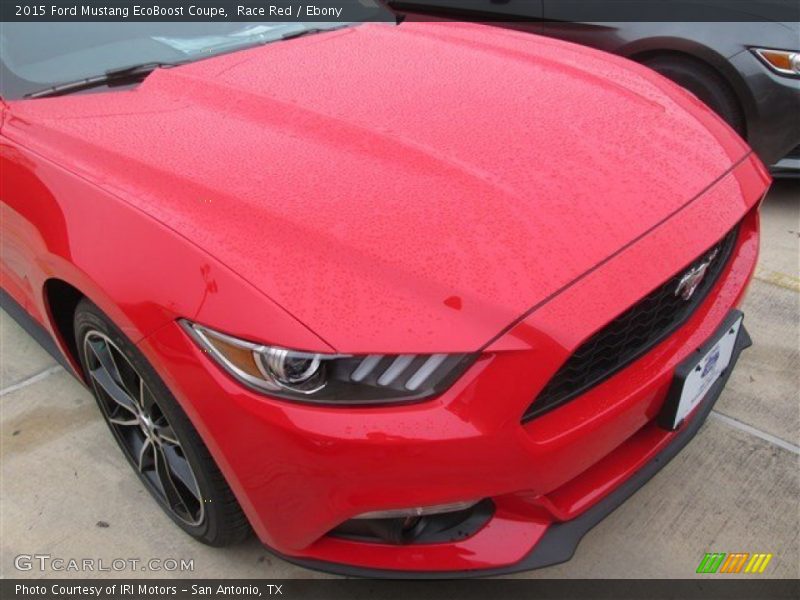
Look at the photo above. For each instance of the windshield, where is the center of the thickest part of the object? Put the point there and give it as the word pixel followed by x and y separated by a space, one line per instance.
pixel 37 56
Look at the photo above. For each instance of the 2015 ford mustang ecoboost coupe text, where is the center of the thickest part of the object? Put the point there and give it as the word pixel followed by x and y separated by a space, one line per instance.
pixel 424 298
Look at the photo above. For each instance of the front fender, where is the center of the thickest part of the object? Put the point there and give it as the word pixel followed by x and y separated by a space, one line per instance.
pixel 58 225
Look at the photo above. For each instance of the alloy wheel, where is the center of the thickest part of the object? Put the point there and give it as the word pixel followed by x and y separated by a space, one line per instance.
pixel 142 429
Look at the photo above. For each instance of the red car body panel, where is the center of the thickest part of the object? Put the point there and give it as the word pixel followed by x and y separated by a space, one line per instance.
pixel 421 188
pixel 467 443
pixel 189 148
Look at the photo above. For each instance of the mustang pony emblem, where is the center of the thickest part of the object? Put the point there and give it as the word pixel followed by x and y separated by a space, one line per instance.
pixel 694 276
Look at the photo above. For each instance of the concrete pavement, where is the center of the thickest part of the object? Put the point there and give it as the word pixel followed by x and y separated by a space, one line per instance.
pixel 67 491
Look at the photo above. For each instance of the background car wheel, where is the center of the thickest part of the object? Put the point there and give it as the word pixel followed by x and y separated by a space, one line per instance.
pixel 705 83
pixel 155 434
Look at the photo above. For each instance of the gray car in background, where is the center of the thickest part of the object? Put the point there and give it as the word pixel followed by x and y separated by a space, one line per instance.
pixel 745 65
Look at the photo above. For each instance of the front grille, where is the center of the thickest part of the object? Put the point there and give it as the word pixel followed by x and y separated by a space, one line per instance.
pixel 631 334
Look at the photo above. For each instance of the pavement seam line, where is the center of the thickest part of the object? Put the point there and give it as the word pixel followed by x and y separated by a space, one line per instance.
pixel 31 380
pixel 767 437
pixel 778 279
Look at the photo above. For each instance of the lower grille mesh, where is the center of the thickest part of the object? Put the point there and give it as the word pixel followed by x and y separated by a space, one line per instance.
pixel 632 333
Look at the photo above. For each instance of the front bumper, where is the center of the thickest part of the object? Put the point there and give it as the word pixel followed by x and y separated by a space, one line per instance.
pixel 788 166
pixel 561 540
pixel 300 471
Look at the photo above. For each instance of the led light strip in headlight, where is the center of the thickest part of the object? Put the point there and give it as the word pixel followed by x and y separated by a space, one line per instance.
pixel 330 378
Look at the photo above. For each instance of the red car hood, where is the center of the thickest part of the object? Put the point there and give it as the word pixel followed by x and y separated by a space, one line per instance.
pixel 411 188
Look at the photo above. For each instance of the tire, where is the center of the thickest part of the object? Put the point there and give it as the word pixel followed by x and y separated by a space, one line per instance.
pixel 705 83
pixel 154 433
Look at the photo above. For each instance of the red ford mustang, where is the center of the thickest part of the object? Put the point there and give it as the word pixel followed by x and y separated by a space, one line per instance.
pixel 431 298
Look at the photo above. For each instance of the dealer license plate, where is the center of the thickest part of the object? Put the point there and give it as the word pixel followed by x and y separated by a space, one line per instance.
pixel 706 371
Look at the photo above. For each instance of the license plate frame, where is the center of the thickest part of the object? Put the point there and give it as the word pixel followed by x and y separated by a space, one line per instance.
pixel 696 375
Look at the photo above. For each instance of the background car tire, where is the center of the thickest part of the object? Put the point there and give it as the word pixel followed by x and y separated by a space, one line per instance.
pixel 217 519
pixel 705 83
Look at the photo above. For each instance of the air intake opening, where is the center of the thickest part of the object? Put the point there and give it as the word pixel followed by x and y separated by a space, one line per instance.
pixel 418 529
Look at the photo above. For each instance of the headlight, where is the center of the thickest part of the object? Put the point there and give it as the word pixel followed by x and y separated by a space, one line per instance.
pixel 784 62
pixel 330 378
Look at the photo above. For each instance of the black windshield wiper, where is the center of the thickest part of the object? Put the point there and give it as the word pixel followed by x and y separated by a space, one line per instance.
pixel 111 77
pixel 295 34
pixel 302 32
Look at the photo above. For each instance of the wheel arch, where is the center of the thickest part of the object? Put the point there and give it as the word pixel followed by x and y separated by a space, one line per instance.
pixel 60 301
pixel 691 51
pixel 60 295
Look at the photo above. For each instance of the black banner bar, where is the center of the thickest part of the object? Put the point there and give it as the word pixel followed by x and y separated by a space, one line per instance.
pixel 193 10
pixel 739 588
pixel 382 10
